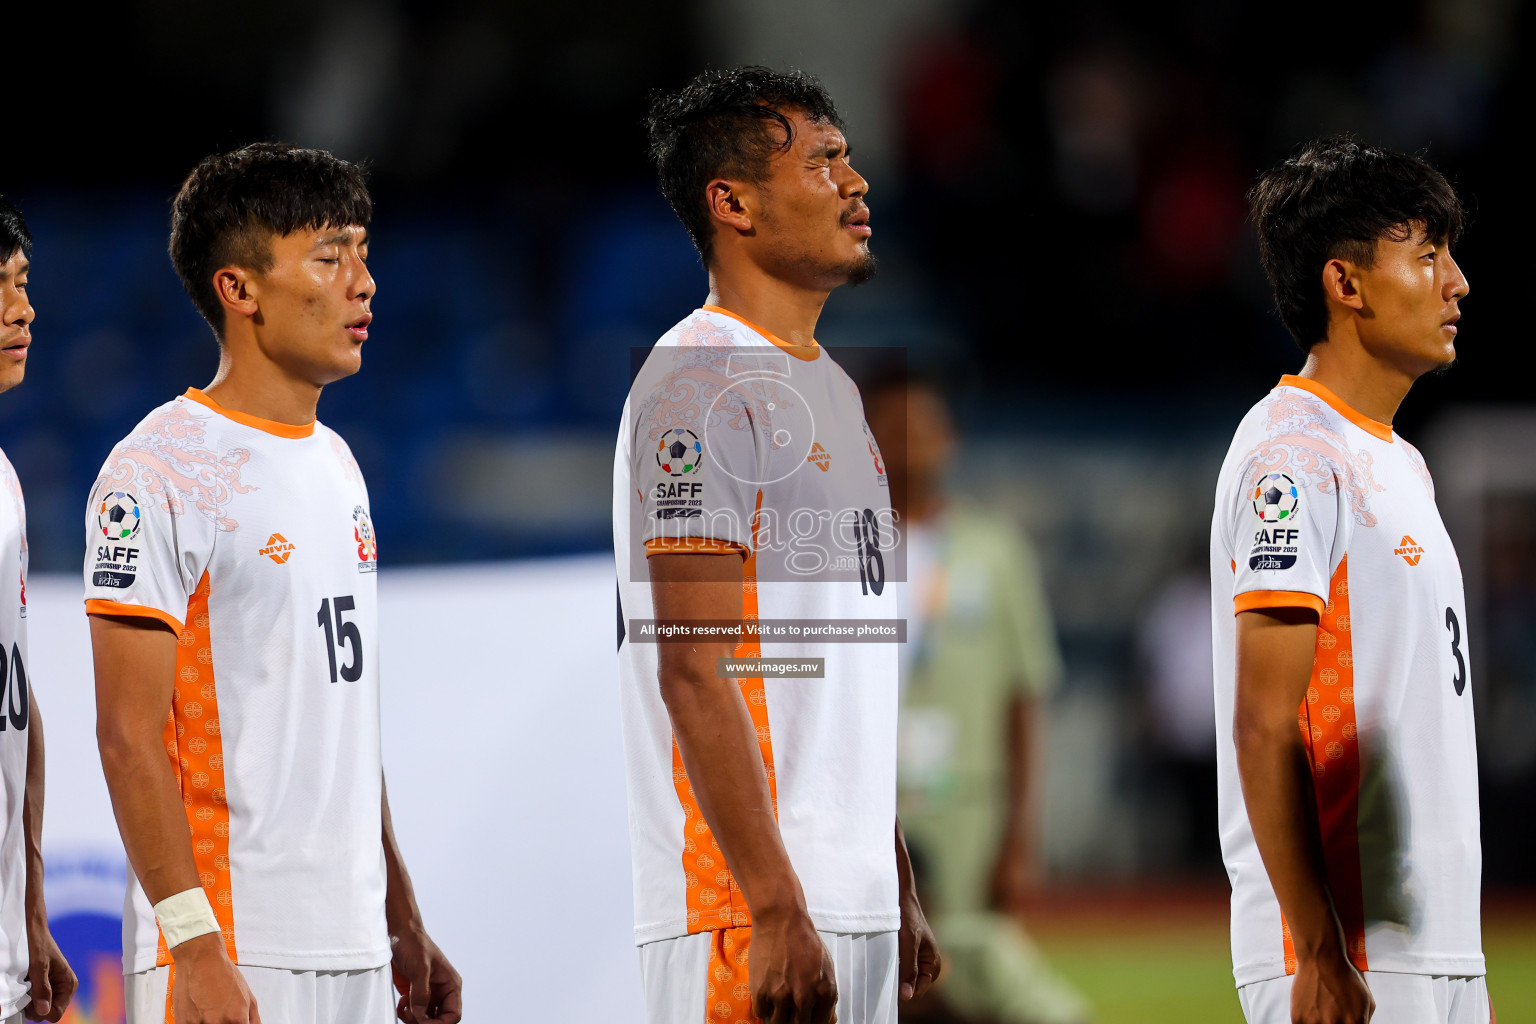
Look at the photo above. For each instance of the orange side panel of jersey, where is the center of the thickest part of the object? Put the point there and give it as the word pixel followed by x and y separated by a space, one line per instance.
pixel 1327 721
pixel 196 748
pixel 728 994
pixel 714 898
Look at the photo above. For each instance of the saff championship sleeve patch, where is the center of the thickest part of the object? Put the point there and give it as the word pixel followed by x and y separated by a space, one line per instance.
pixel 1276 504
pixel 119 518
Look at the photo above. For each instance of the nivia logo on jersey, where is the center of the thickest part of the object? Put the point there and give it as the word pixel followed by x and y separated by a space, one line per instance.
pixel 1276 505
pixel 119 518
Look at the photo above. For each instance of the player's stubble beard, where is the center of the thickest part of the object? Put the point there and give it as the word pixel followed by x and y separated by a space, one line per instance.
pixel 862 269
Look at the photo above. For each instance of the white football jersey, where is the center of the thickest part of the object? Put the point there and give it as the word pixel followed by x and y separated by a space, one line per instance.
pixel 252 540
pixel 734 441
pixel 1321 507
pixel 15 716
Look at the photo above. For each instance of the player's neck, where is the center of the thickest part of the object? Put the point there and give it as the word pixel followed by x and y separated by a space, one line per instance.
pixel 784 310
pixel 249 383
pixel 1371 386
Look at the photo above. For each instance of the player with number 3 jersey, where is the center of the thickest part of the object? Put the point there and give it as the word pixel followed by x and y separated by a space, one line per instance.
pixel 1347 753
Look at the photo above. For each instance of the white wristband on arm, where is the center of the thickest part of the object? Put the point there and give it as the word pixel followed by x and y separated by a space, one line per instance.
pixel 184 916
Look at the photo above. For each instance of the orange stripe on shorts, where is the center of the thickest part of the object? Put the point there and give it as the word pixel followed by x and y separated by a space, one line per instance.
pixel 728 993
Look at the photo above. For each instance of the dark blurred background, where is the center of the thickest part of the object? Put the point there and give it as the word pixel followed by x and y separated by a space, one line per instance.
pixel 1058 203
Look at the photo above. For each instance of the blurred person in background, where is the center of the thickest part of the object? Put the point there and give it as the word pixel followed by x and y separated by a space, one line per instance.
pixel 231 584
pixel 1352 842
pixel 35 979
pixel 980 657
pixel 1174 648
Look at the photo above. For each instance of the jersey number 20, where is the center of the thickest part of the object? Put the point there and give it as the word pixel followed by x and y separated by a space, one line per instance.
pixel 15 701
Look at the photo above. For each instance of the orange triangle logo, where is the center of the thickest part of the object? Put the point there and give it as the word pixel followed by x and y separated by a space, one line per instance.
pixel 819 457
pixel 1409 549
pixel 278 549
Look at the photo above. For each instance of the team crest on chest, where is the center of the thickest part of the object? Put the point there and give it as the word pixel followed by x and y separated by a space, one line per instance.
pixel 367 544
pixel 874 453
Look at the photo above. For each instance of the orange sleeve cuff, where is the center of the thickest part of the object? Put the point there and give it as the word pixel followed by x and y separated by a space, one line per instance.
pixel 1255 599
pixel 692 546
pixel 97 606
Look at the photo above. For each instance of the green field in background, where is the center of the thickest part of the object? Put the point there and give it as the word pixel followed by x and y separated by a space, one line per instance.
pixel 1182 974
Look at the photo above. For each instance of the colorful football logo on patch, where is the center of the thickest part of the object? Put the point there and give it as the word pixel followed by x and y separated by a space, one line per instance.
pixel 679 452
pixel 118 516
pixel 367 544
pixel 1275 498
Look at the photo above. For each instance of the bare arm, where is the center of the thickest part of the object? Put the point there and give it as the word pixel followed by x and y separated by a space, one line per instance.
pixel 430 989
pixel 1017 860
pixel 918 957
pixel 32 815
pixel 1275 648
pixel 135 678
pixel 53 982
pixel 719 747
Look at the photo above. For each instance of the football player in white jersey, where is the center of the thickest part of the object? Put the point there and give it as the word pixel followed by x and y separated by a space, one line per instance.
pixel 29 958
pixel 230 583
pixel 1347 761
pixel 791 781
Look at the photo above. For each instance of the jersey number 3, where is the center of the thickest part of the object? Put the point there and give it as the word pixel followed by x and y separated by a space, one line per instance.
pixel 344 634
pixel 1460 682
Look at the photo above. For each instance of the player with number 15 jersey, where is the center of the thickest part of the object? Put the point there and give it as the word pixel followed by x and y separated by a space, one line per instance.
pixel 252 540
pixel 231 587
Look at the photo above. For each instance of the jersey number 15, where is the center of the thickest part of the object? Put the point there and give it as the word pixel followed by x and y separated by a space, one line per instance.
pixel 343 635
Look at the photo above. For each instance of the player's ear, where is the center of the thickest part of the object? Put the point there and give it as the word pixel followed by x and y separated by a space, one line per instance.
pixel 1341 283
pixel 236 288
pixel 730 203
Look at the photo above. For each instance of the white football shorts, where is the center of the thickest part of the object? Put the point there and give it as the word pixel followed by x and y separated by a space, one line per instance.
pixel 282 997
pixel 690 976
pixel 1400 999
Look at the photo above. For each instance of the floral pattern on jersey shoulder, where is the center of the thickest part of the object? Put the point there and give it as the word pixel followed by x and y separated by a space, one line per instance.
pixel 713 381
pixel 12 484
pixel 168 458
pixel 1419 466
pixel 343 455
pixel 1303 438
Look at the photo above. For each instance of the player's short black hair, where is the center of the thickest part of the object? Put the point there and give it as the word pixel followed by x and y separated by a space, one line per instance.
pixel 726 123
pixel 232 204
pixel 14 236
pixel 1336 198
